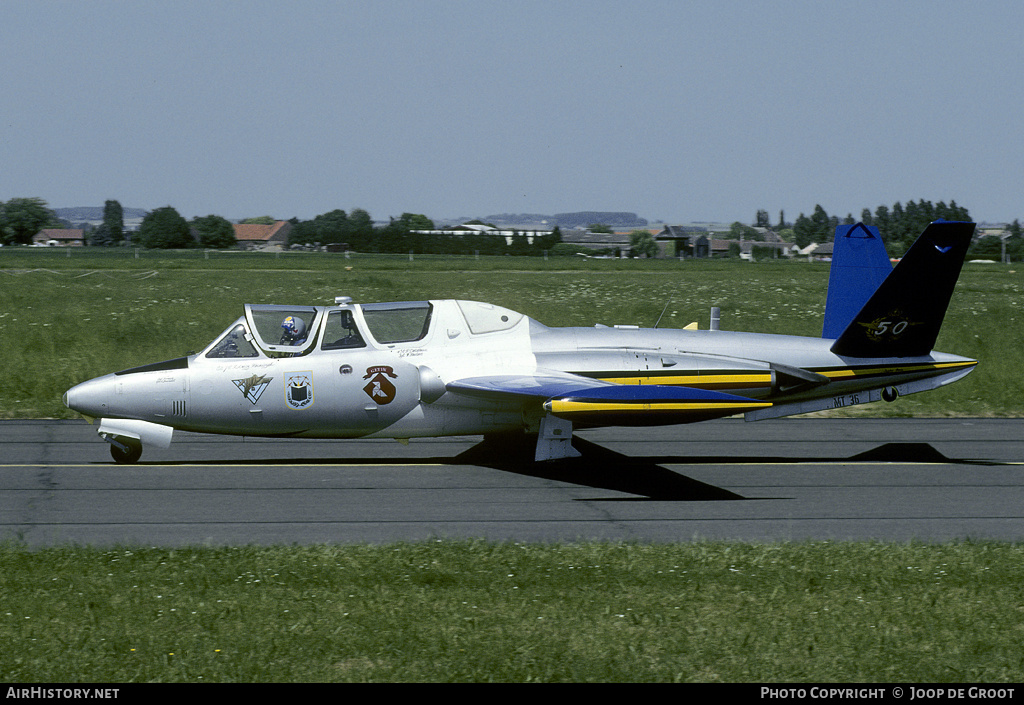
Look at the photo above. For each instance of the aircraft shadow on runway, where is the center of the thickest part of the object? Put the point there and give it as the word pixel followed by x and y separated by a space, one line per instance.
pixel 600 467
pixel 644 477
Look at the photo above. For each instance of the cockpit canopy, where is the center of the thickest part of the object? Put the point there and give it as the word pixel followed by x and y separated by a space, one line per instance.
pixel 398 322
pixel 278 331
pixel 284 329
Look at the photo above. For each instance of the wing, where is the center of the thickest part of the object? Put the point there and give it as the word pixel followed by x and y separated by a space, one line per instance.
pixel 540 386
pixel 592 402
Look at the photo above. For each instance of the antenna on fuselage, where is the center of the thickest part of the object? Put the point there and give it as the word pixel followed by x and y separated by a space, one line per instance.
pixel 667 304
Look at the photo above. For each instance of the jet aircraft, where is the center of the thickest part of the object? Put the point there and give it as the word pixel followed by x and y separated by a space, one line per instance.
pixel 448 367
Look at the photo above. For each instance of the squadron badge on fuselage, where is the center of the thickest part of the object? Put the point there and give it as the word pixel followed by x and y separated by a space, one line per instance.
pixel 253 387
pixel 380 388
pixel 298 390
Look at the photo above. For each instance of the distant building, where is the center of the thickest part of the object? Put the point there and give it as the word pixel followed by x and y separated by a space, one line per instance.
pixel 818 252
pixel 697 241
pixel 772 242
pixel 585 240
pixel 60 237
pixel 674 241
pixel 988 229
pixel 256 236
pixel 717 247
pixel 684 241
pixel 469 228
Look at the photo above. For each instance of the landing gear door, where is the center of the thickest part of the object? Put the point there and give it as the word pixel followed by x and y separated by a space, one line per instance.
pixel 284 330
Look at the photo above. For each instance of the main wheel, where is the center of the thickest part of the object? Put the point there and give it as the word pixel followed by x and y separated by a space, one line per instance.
pixel 126 457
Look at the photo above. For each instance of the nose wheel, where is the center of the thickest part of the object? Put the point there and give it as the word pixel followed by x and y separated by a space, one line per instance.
pixel 124 450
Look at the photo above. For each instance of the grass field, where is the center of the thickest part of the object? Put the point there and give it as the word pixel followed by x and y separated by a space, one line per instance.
pixel 471 611
pixel 64 319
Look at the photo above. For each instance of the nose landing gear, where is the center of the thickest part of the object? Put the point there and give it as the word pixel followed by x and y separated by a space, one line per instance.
pixel 127 436
pixel 124 450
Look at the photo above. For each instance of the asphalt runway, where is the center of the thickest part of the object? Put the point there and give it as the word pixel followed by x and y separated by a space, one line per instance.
pixel 783 480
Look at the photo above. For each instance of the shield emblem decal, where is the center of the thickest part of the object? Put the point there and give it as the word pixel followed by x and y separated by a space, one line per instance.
pixel 298 390
pixel 379 388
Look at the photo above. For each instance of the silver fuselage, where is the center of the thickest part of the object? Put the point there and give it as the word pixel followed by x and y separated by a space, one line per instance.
pixel 370 388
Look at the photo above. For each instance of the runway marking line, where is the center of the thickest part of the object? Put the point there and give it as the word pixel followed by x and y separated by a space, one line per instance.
pixel 140 466
pixel 808 461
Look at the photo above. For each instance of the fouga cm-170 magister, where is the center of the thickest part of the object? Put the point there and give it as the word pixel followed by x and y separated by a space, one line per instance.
pixel 446 367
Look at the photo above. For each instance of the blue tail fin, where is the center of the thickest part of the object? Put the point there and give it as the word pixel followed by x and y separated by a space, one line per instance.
pixel 903 316
pixel 859 266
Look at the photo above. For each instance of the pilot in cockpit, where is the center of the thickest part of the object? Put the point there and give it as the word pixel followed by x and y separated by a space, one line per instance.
pixel 294 331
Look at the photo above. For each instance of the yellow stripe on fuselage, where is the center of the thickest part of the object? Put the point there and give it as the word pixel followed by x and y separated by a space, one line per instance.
pixel 758 380
pixel 559 406
pixel 854 372
pixel 700 381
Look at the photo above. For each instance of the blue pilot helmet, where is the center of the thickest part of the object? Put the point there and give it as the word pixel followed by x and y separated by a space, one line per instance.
pixel 294 331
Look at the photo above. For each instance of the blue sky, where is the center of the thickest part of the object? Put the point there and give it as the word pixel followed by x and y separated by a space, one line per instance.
pixel 678 111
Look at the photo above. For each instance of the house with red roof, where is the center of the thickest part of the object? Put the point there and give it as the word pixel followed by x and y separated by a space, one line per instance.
pixel 255 236
pixel 60 237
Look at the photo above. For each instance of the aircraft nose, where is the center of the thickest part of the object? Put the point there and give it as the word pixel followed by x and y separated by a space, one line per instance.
pixel 89 398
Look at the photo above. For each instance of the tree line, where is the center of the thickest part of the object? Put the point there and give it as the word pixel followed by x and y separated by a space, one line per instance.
pixel 165 228
pixel 356 231
pixel 22 218
pixel 898 225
